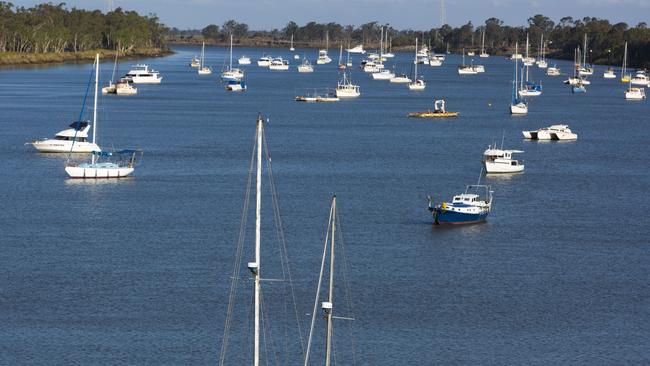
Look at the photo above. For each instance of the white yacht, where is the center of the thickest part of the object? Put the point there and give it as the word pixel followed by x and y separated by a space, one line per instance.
pixel 204 70
pixel 418 83
pixel 244 60
pixel 471 53
pixel 195 62
pixel 501 161
pixel 356 49
pixel 305 66
pixel 542 64
pixel 371 67
pixel 609 73
pixel 423 52
pixel 385 74
pixel 345 88
pixel 73 139
pixel 435 62
pixel 264 61
pixel 633 93
pixel 400 79
pixel 323 58
pixel 141 74
pixel 553 132
pixel 640 79
pixel 279 64
pixel 553 71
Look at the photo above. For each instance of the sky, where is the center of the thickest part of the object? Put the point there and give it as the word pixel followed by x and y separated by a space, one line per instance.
pixel 401 14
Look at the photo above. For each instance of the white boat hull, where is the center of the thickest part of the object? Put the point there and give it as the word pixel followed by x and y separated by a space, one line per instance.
pixel 467 71
pixel 519 109
pixel 418 85
pixel 126 91
pixel 94 173
pixel 205 71
pixel 609 75
pixel 400 80
pixel 529 93
pixel 635 94
pixel 500 168
pixel 64 146
pixel 435 62
pixel 279 67
pixel 383 76
pixel 264 63
pixel 302 68
pixel 347 93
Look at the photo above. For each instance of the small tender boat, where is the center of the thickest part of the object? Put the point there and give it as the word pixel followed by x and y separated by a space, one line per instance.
pixel 279 64
pixel 400 79
pixel 345 88
pixel 141 74
pixel 438 111
pixel 244 60
pixel 264 61
pixel 497 160
pixel 553 132
pixel 305 66
pixel 466 208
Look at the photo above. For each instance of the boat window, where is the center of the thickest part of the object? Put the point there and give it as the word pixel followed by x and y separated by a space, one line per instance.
pixel 514 163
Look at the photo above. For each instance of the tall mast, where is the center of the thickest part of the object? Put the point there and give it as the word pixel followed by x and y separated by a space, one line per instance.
pixel 584 56
pixel 95 103
pixel 416 60
pixel 258 225
pixel 328 344
pixel 483 41
pixel 526 45
pixel 230 51
pixel 381 43
pixel 514 82
pixel 202 54
pixel 624 60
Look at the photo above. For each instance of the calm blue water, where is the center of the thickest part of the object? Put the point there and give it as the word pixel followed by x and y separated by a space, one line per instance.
pixel 137 271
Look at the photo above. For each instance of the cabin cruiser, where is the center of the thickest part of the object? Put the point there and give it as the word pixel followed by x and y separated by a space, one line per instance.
pixel 479 68
pixel 553 132
pixel 356 49
pixel 345 88
pixel 244 60
pixel 500 161
pixel 371 67
pixel 640 79
pixel 196 62
pixel 585 71
pixel 423 52
pixel 141 74
pixel 433 61
pixel 323 58
pixel 633 93
pixel 279 64
pixel 466 208
pixel 71 140
pixel 609 73
pixel 383 75
pixel 553 71
pixel 264 61
pixel 466 70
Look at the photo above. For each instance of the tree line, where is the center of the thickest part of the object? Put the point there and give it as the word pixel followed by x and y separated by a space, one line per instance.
pixel 605 40
pixel 54 28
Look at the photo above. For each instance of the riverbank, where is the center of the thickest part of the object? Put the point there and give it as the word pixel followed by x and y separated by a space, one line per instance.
pixel 17 58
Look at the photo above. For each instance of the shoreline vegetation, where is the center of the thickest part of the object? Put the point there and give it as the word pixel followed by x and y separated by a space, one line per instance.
pixel 17 58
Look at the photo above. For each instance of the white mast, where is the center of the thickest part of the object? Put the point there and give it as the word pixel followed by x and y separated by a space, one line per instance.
pixel 483 41
pixel 526 46
pixel 416 60
pixel 381 43
pixel 584 56
pixel 95 103
pixel 202 54
pixel 291 48
pixel 230 51
pixel 328 344
pixel 624 61
pixel 258 225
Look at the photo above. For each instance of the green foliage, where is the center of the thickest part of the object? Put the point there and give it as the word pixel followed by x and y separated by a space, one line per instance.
pixel 53 28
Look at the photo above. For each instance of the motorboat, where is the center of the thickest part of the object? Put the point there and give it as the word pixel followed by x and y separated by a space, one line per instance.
pixel 345 88
pixel 370 67
pixel 235 85
pixel 516 56
pixel 71 140
pixel 553 71
pixel 470 207
pixel 400 79
pixel 141 74
pixel 123 87
pixel 439 111
pixel 635 93
pixel 609 73
pixel 195 62
pixel 423 52
pixel 103 164
pixel 264 61
pixel 244 60
pixel 497 160
pixel 471 53
pixel 466 70
pixel 553 132
pixel 640 79
pixel 542 64
pixel 385 74
pixel 296 57
pixel 435 62
pixel 305 66
pixel 356 49
pixel 323 58
pixel 585 71
pixel 279 64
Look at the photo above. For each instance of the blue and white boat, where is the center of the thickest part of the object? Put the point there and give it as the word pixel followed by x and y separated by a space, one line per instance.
pixel 467 208
pixel 578 88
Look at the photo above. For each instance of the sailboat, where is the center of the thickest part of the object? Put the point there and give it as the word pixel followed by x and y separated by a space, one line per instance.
pixel 585 70
pixel 232 74
pixel 541 63
pixel 528 61
pixel 262 275
pixel 517 106
pixel 349 62
pixel 122 87
pixel 577 83
pixel 483 54
pixel 323 58
pixel 204 70
pixel 625 78
pixel 466 69
pixel 103 164
pixel 291 47
pixel 390 53
pixel 417 84
pixel 331 241
pixel 529 89
pixel 341 64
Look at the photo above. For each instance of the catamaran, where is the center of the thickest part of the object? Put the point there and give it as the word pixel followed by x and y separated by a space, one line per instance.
pixel 418 83
pixel 103 164
pixel 204 70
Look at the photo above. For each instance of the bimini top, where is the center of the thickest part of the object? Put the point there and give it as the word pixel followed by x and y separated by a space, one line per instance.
pixel 78 129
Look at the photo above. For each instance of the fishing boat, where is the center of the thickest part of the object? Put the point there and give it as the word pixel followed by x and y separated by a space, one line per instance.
pixel 553 71
pixel 231 73
pixel 418 83
pixel 553 132
pixel 625 77
pixel 141 74
pixel 332 353
pixel 204 70
pixel 470 207
pixel 103 164
pixel 264 61
pixel 517 106
pixel 323 58
pixel 437 112
pixel 483 54
pixel 609 73
pixel 244 60
pixel 345 88
pixel 305 66
pixel 635 93
pixel 499 161
pixel 279 64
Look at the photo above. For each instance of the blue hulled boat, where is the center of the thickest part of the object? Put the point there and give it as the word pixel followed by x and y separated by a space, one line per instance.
pixel 466 208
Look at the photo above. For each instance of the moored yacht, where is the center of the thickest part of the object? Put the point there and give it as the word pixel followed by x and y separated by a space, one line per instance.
pixel 553 71
pixel 609 73
pixel 305 66
pixel 244 60
pixel 356 49
pixel 141 74
pixel 640 78
pixel 279 64
pixel 264 61
pixel 71 140
pixel 385 74
pixel 633 93
pixel 466 208
pixel 497 160
pixel 400 79
pixel 323 58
